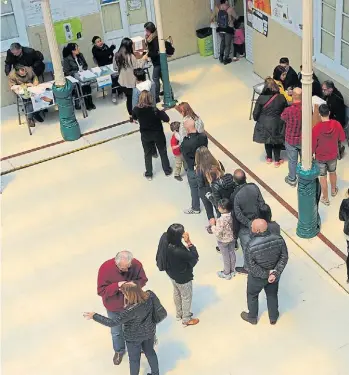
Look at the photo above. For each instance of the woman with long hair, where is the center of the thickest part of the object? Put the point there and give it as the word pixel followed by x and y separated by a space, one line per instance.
pixel 179 257
pixel 125 62
pixel 188 114
pixel 279 76
pixel 269 128
pixel 150 121
pixel 138 323
pixel 204 161
pixel 74 62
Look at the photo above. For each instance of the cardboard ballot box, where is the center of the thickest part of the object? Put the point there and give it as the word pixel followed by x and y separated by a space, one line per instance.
pixel 138 44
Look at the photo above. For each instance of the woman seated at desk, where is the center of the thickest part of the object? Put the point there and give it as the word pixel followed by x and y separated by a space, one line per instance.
pixel 22 77
pixel 104 55
pixel 74 62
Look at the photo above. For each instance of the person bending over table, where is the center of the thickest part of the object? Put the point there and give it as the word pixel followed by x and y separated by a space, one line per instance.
pixel 74 62
pixel 25 56
pixel 24 77
pixel 104 55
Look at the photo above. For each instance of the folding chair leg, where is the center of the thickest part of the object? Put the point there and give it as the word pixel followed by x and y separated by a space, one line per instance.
pixel 252 102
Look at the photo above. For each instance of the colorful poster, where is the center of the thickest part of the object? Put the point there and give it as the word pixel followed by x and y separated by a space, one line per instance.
pixel 68 30
pixel 263 5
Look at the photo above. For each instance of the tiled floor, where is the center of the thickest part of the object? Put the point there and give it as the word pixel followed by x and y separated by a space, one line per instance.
pixel 61 219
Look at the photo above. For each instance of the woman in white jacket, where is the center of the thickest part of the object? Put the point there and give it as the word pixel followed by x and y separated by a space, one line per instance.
pixel 188 114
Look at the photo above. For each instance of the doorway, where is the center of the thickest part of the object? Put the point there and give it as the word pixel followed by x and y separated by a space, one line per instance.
pixel 124 18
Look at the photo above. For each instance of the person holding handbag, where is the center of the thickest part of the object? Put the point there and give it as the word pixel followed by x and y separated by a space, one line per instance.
pixel 269 128
pixel 143 311
pixel 344 216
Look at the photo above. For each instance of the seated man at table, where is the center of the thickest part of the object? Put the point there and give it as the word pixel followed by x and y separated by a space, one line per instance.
pixel 335 102
pixel 316 86
pixel 18 55
pixel 24 77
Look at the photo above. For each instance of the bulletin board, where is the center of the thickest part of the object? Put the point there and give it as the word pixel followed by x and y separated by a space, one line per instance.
pixel 60 9
pixel 68 30
pixel 288 13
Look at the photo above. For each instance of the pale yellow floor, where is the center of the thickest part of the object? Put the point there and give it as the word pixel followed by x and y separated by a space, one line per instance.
pixel 63 218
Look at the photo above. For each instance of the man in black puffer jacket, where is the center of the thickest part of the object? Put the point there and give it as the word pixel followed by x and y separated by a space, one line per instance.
pixel 266 257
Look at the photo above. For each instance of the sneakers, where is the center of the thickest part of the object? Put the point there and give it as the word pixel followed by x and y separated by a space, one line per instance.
pixel 117 359
pixel 241 270
pixel 167 174
pixel 227 61
pixel 244 316
pixel 222 275
pixel 149 178
pixel 278 163
pixel 291 182
pixel 191 322
pixel 235 59
pixel 190 211
pixel 113 98
pixel 269 161
pixel 178 178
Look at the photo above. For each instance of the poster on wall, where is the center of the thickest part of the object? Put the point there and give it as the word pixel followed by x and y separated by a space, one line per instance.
pixel 249 8
pixel 289 14
pixel 263 5
pixel 260 22
pixel 68 30
pixel 134 5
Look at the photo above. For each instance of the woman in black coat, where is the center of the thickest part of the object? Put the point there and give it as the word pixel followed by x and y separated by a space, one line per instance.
pixel 104 55
pixel 74 62
pixel 269 128
pixel 152 133
pixel 344 216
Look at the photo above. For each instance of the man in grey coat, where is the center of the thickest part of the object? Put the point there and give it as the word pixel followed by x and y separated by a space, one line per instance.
pixel 247 201
pixel 266 257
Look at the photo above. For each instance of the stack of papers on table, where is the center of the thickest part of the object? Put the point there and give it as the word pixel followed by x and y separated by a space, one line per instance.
pixel 97 71
pixel 86 75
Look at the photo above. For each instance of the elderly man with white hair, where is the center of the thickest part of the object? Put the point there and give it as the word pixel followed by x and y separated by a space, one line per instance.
pixel 111 275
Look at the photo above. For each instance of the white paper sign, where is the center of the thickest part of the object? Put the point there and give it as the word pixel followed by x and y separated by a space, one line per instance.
pixel 42 100
pixel 134 4
pixel 104 81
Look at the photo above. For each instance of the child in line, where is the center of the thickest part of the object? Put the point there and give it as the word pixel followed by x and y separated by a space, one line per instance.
pixel 175 126
pixel 239 39
pixel 222 228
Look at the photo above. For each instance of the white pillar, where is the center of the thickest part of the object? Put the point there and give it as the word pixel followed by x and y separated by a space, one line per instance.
pixel 307 81
pixel 52 43
pixel 159 26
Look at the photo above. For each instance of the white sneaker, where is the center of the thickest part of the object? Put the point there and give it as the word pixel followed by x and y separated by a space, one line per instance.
pixel 222 275
pixel 190 211
pixel 113 98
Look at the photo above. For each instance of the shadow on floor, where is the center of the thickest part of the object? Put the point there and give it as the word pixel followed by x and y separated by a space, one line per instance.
pixel 203 297
pixel 5 181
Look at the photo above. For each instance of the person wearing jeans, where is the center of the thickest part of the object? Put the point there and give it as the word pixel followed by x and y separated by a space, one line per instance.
pixel 190 144
pixel 292 116
pixel 266 258
pixel 111 276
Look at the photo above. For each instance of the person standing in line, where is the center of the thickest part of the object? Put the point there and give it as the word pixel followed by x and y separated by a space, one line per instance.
pixel 152 133
pixel 344 216
pixel 266 258
pixel 265 214
pixel 239 39
pixel 111 276
pixel 325 138
pixel 139 326
pixel 188 114
pixel 247 202
pixel 222 228
pixel 176 149
pixel 104 55
pixel 190 144
pixel 225 16
pixel 125 62
pixel 292 116
pixel 269 128
pixel 180 262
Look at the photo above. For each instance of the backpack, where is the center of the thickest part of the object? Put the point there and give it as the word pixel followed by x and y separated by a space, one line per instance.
pixel 223 19
pixel 170 50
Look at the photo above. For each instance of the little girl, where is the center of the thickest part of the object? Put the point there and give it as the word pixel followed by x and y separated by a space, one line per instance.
pixel 222 227
pixel 239 39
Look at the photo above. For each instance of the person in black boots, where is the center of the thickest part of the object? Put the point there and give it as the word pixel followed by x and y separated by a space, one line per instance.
pixel 344 216
pixel 74 62
pixel 104 55
pixel 152 133
pixel 266 258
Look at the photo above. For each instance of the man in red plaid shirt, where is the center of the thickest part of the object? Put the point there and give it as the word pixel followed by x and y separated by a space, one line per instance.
pixel 292 116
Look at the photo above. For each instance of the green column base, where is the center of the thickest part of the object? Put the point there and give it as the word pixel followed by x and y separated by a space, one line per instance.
pixel 70 129
pixel 308 217
pixel 169 101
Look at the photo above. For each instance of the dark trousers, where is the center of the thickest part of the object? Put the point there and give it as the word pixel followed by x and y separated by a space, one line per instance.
pixel 348 261
pixel 116 89
pixel 254 286
pixel 269 149
pixel 239 49
pixel 134 349
pixel 207 204
pixel 39 68
pixel 156 78
pixel 87 94
pixel 149 141
pixel 225 48
pixel 128 93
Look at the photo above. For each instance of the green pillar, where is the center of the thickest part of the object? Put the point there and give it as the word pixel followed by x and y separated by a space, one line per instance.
pixel 169 101
pixel 70 129
pixel 308 217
